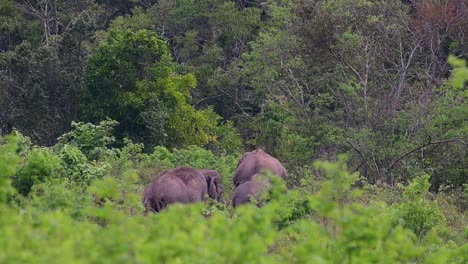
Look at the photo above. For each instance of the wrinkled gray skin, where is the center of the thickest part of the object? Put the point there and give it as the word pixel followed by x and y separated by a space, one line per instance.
pixel 250 190
pixel 256 162
pixel 180 185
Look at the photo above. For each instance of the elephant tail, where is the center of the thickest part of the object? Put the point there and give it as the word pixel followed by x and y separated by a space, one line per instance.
pixel 159 204
pixel 155 205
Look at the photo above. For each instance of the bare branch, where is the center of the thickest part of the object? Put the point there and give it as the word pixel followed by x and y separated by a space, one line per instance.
pixel 234 100
pixel 207 98
pixel 359 152
pixel 421 147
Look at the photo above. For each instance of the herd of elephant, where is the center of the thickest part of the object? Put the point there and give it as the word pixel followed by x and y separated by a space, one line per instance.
pixel 188 185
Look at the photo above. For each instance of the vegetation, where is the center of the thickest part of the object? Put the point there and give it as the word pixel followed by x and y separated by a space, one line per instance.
pixel 364 102
pixel 99 216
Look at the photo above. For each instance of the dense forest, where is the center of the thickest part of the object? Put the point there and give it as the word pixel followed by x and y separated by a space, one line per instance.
pixel 364 102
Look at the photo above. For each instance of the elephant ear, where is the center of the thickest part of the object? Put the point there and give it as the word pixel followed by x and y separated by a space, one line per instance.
pixel 219 188
pixel 214 188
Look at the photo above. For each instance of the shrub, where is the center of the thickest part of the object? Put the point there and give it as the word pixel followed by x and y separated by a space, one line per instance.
pixel 39 165
pixel 416 212
pixel 77 168
pixel 91 140
pixel 95 216
pixel 8 165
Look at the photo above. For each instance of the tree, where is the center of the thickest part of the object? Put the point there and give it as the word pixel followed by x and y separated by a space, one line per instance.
pixel 132 79
pixel 297 113
pixel 40 79
pixel 16 27
pixel 206 38
pixel 35 95
pixel 448 132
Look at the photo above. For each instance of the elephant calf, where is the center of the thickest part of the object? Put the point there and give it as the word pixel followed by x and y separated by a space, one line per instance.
pixel 181 185
pixel 250 190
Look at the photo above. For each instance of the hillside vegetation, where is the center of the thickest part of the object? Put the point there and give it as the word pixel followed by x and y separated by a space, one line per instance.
pixel 72 203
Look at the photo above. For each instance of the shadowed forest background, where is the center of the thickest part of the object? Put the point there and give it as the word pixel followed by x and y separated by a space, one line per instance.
pixel 364 102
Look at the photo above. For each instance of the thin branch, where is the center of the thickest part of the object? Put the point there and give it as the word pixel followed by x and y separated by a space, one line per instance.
pixel 234 100
pixel 207 98
pixel 421 147
pixel 364 160
pixel 376 165
pixel 357 168
pixel 361 80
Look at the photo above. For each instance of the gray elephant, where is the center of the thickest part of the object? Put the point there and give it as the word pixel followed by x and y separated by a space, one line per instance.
pixel 213 180
pixel 250 190
pixel 254 162
pixel 181 185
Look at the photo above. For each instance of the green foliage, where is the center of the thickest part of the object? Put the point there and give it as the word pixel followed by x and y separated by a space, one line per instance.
pixel 460 74
pixel 31 71
pixel 91 140
pixel 57 195
pixel 448 123
pixel 105 188
pixel 292 208
pixel 15 27
pixel 296 115
pixel 78 169
pixel 8 165
pixel 343 231
pixel 78 222
pixel 304 80
pixel 116 85
pixel 336 189
pixel 230 32
pixel 206 38
pixel 417 213
pixel 131 78
pixel 44 46
pixel 39 165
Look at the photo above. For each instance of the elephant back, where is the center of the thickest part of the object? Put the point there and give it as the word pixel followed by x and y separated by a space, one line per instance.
pixel 194 181
pixel 187 175
pixel 257 162
pixel 179 185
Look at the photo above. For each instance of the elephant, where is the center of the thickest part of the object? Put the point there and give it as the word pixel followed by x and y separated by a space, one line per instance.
pixel 213 180
pixel 255 162
pixel 181 185
pixel 250 190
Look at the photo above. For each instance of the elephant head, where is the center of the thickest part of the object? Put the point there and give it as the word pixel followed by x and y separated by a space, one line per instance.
pixel 213 181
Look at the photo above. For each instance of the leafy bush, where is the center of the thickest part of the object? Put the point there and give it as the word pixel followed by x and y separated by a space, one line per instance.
pixel 416 212
pixel 78 169
pixel 8 165
pixel 57 195
pixel 132 78
pixel 97 216
pixel 91 140
pixel 39 165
